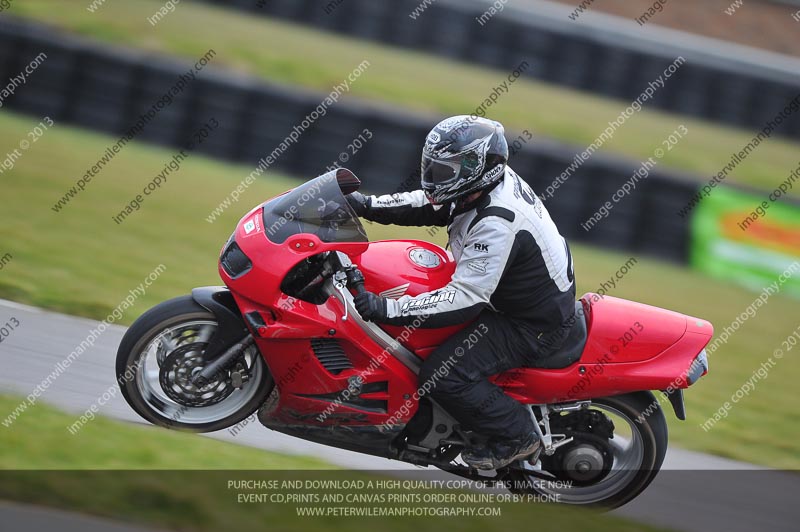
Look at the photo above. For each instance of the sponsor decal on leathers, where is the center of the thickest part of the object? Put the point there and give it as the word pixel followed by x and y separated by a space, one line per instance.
pixel 430 301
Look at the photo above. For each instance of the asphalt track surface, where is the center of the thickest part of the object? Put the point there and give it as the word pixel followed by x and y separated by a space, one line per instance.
pixel 694 492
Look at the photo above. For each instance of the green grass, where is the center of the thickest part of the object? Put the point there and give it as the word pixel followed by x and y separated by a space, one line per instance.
pixel 143 475
pixel 80 262
pixel 39 440
pixel 299 55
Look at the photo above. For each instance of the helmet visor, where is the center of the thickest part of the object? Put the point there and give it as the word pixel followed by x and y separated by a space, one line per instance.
pixel 438 172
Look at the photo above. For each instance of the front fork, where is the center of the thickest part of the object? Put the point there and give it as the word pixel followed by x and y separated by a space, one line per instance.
pixel 223 362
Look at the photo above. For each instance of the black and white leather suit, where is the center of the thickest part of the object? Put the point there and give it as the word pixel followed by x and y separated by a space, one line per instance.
pixel 514 277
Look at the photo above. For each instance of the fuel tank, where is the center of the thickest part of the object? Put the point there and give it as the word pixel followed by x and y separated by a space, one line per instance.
pixel 394 268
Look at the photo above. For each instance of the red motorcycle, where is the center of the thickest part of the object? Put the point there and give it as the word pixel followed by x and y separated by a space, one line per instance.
pixel 282 337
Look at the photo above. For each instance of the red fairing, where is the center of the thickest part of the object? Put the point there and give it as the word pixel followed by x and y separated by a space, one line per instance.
pixel 630 346
pixel 651 329
pixel 292 324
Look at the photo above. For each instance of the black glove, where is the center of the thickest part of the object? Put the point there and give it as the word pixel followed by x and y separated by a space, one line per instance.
pixel 359 202
pixel 371 307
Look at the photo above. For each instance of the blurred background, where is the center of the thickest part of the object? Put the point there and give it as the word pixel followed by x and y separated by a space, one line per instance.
pixel 691 108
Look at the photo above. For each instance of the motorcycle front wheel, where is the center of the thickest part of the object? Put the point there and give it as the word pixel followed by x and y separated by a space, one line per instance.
pixel 162 351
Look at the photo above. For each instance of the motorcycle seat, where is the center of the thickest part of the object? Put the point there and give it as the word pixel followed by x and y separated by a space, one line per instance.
pixel 572 348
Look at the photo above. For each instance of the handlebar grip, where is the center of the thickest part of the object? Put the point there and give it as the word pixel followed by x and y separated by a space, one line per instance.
pixel 359 287
pixel 356 280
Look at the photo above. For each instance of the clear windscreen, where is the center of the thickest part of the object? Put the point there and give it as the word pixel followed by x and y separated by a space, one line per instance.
pixel 317 207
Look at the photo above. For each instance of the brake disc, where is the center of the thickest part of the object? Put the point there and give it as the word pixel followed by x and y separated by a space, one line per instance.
pixel 178 370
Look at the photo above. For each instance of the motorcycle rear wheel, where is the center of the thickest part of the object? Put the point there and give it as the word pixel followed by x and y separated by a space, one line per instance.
pixel 638 454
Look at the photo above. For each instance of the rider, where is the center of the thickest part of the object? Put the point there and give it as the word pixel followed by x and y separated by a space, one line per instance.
pixel 513 275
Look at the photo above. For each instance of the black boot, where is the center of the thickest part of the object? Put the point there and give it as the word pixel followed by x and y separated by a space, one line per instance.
pixel 500 453
pixel 478 456
pixel 508 451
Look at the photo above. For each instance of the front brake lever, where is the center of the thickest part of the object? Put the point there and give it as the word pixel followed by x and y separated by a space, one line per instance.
pixel 340 284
